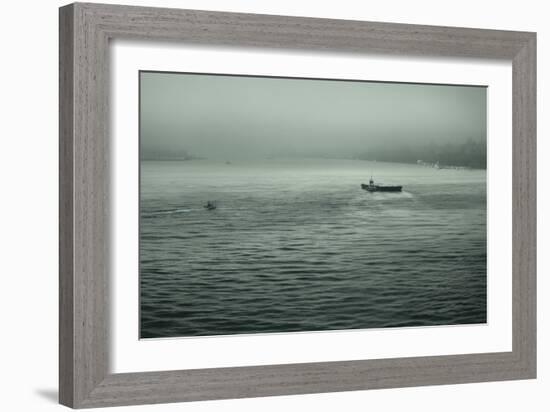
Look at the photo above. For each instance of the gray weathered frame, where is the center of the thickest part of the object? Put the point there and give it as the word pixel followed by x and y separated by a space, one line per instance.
pixel 85 31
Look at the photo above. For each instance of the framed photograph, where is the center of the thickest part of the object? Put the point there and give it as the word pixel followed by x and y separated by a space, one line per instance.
pixel 258 205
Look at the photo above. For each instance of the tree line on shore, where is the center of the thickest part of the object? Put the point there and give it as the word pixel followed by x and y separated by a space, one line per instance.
pixel 471 154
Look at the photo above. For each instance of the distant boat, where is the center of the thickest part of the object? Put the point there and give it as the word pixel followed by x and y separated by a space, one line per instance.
pixel 210 205
pixel 371 187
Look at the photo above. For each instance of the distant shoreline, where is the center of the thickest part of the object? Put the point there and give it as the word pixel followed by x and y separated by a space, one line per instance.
pixel 152 159
pixel 427 164
pixel 171 159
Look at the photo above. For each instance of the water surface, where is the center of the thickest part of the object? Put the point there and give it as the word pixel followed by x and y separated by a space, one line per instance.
pixel 296 245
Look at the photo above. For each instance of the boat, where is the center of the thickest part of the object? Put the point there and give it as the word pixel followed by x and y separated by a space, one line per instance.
pixel 210 205
pixel 371 187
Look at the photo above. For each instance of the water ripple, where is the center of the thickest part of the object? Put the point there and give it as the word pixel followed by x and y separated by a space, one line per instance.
pixel 301 252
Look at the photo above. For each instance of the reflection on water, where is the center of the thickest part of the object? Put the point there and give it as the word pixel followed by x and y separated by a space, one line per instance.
pixel 296 245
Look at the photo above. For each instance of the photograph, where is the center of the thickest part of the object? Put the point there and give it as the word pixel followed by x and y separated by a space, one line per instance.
pixel 282 205
pixel 275 206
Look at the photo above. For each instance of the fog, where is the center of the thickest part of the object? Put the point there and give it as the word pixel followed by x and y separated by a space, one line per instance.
pixel 229 117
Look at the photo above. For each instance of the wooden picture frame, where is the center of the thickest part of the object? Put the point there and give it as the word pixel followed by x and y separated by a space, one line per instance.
pixel 85 31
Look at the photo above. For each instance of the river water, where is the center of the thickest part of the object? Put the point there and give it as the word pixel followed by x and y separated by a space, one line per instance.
pixel 297 245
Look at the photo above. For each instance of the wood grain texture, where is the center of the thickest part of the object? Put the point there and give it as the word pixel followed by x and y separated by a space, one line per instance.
pixel 524 211
pixel 66 228
pixel 85 31
pixel 83 344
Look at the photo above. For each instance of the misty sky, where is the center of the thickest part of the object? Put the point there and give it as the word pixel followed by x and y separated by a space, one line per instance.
pixel 227 117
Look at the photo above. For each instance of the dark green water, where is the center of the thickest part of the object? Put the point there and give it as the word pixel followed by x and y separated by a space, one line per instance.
pixel 296 245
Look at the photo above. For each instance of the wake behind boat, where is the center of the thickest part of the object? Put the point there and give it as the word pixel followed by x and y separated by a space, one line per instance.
pixel 371 187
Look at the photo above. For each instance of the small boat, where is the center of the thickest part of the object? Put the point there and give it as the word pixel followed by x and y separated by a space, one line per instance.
pixel 371 187
pixel 210 205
